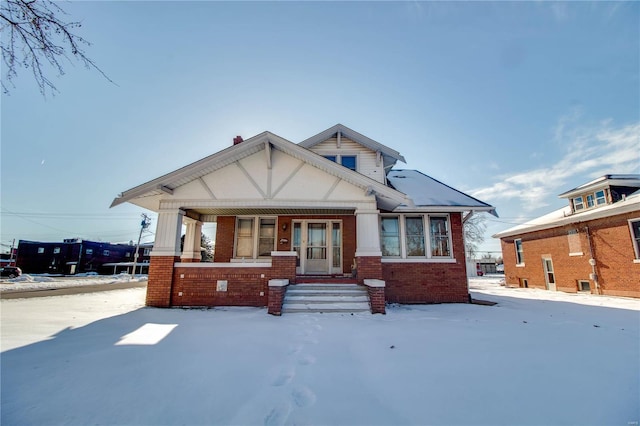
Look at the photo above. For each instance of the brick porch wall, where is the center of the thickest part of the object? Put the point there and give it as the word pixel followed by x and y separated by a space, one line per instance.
pixel 160 281
pixel 369 267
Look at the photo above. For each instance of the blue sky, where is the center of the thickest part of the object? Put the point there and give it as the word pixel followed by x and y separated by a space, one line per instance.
pixel 513 102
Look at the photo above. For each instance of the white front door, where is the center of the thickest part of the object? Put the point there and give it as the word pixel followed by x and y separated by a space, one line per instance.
pixel 319 246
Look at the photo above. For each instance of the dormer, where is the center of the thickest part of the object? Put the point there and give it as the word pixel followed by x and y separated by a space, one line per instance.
pixel 354 151
pixel 603 191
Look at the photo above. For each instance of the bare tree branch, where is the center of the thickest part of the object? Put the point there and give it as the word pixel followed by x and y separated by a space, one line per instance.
pixel 33 36
pixel 474 229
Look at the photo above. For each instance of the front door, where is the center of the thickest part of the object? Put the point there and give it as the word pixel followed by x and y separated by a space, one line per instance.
pixel 318 244
pixel 549 275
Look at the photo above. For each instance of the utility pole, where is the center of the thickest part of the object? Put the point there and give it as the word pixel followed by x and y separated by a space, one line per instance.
pixel 143 225
pixel 11 255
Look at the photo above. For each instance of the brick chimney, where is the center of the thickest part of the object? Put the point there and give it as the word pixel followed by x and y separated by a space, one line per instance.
pixel 237 140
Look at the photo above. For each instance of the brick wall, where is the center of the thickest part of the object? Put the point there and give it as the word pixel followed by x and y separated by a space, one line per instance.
pixel 284 267
pixel 612 248
pixel 225 234
pixel 276 298
pixel 198 286
pixel 377 299
pixel 369 267
pixel 430 282
pixel 160 281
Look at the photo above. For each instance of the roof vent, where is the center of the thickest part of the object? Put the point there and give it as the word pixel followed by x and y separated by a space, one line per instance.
pixel 237 140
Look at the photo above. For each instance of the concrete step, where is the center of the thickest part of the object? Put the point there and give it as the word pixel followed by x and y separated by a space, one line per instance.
pixel 326 297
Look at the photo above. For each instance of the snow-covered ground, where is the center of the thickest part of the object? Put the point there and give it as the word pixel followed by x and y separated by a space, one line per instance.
pixel 43 282
pixel 535 358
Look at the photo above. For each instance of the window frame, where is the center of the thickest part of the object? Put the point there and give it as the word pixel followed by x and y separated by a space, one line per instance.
pixel 603 198
pixel 56 250
pixel 89 251
pixel 578 201
pixel 635 239
pixel 336 157
pixel 106 252
pixel 255 236
pixel 40 250
pixel 426 238
pixel 519 252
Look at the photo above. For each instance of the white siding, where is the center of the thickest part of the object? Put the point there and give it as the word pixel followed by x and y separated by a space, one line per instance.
pixel 366 157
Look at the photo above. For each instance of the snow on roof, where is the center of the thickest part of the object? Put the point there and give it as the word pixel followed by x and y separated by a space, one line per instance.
pixel 426 191
pixel 563 216
pixel 614 180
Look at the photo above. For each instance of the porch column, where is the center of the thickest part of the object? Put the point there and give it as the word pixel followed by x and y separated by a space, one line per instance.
pixel 368 252
pixel 166 251
pixel 192 241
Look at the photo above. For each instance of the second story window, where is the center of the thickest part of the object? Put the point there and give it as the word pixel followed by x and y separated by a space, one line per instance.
pixel 600 197
pixel 578 204
pixel 349 161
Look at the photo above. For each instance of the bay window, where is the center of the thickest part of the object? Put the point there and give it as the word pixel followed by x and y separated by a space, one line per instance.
pixel 415 236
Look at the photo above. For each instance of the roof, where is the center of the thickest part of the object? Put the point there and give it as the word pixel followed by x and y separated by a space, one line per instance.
pixel 428 192
pixel 563 216
pixel 630 180
pixel 167 183
pixel 390 156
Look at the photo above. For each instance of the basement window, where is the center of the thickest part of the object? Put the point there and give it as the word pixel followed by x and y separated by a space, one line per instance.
pixel 583 285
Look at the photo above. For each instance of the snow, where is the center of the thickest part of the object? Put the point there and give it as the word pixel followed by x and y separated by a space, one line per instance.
pixel 426 191
pixel 43 282
pixel 536 357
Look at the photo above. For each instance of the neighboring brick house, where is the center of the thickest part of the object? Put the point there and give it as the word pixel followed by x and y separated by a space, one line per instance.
pixel 591 245
pixel 75 255
pixel 330 206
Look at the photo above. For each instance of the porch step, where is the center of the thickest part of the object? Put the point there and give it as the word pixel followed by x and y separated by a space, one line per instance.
pixel 329 297
pixel 326 279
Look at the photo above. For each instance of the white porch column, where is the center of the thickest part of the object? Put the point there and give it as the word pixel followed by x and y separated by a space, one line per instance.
pixel 368 233
pixel 192 240
pixel 168 230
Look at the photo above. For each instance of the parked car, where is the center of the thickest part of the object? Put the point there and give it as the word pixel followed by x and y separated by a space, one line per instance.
pixel 10 271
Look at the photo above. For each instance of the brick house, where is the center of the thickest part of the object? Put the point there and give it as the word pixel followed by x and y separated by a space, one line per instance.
pixel 330 206
pixel 590 245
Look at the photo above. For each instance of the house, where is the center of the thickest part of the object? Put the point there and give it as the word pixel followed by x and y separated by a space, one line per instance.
pixel 591 245
pixel 75 255
pixel 330 206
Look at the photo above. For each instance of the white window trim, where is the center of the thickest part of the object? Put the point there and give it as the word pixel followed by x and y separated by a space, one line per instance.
pixel 339 154
pixel 581 204
pixel 515 246
pixel 427 258
pixel 636 249
pixel 255 236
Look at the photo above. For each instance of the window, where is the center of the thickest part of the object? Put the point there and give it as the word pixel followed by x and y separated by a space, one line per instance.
pixel 634 225
pixel 519 252
pixel 40 250
pixel 524 283
pixel 439 236
pixel 349 161
pixel 255 237
pixel 89 251
pixel 105 252
pixel 336 239
pixel 267 237
pixel 407 236
pixel 590 201
pixel 56 250
pixel 600 198
pixel 146 252
pixel 244 239
pixel 414 236
pixel 390 235
pixel 127 254
pixel 578 204
pixel 583 285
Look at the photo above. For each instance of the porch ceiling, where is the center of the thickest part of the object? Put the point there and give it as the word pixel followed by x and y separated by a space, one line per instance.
pixel 238 211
